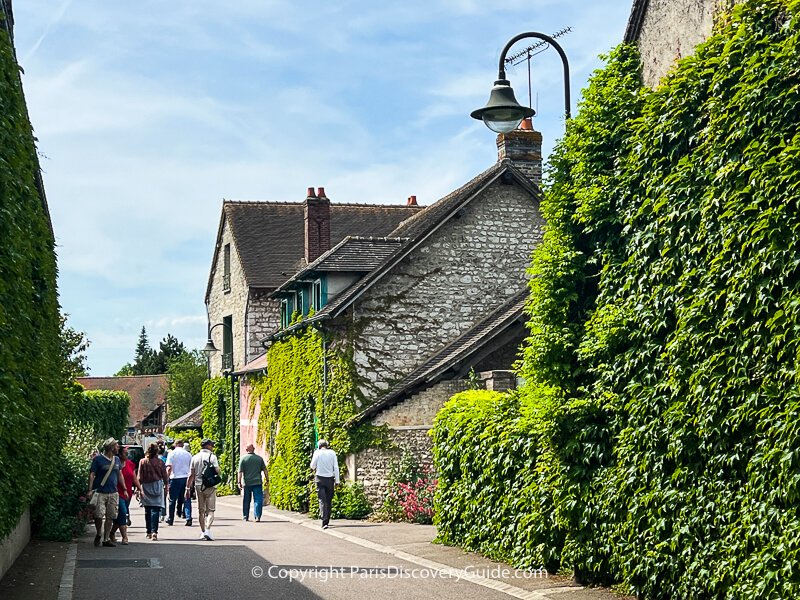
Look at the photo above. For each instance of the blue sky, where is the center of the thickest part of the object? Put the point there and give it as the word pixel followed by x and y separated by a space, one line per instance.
pixel 148 114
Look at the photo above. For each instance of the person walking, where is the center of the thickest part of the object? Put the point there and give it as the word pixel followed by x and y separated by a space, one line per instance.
pixel 104 475
pixel 251 466
pixel 204 464
pixel 179 463
pixel 125 491
pixel 326 468
pixel 153 477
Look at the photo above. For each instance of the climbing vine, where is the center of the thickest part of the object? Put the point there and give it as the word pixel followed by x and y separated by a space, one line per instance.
pixel 308 393
pixel 221 425
pixel 33 404
pixel 661 410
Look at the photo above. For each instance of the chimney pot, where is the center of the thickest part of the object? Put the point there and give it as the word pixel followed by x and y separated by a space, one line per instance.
pixel 412 201
pixel 526 124
pixel 311 193
pixel 321 193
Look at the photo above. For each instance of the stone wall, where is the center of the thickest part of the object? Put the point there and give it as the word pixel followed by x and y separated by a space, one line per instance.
pixel 461 273
pixel 372 465
pixel 670 30
pixel 420 409
pixel 263 318
pixel 231 303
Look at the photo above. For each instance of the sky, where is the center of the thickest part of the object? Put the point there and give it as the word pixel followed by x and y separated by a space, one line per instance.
pixel 148 114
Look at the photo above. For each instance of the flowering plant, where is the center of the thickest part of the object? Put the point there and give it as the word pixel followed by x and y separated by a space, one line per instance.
pixel 416 499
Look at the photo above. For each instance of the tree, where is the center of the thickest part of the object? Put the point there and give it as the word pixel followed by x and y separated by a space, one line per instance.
pixel 187 373
pixel 144 362
pixel 169 349
pixel 125 371
pixel 73 351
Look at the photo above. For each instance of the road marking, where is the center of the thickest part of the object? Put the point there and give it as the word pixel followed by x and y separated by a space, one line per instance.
pixel 447 570
pixel 65 587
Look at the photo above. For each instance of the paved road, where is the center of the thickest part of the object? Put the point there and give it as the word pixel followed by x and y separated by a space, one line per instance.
pixel 292 559
pixel 288 561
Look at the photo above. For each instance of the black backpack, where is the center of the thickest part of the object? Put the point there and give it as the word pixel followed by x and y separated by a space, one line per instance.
pixel 210 475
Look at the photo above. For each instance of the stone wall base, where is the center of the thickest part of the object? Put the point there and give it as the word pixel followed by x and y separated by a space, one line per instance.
pixel 13 545
pixel 371 467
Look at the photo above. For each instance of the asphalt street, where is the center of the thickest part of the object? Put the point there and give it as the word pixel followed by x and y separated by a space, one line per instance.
pixel 288 556
pixel 270 559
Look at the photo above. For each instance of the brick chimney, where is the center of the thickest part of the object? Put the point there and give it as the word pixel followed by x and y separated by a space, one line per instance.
pixel 317 220
pixel 523 147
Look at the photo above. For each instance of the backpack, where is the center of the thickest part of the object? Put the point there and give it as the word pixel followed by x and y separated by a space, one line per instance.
pixel 210 476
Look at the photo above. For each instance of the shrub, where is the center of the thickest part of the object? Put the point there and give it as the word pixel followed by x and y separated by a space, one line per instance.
pixel 416 500
pixel 105 411
pixel 61 512
pixel 349 502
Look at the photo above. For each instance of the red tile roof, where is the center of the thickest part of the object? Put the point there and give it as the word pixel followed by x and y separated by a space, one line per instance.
pixel 147 392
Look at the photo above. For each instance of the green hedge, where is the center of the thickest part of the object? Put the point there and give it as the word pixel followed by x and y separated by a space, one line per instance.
pixel 105 411
pixel 662 364
pixel 33 405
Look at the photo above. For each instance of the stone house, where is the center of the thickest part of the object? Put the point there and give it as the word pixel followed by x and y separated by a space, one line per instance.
pixel 435 299
pixel 668 30
pixel 259 246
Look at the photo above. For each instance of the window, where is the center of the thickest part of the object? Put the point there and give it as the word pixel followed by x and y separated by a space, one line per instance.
pixel 286 313
pixel 316 294
pixel 227 343
pixel 301 302
pixel 226 272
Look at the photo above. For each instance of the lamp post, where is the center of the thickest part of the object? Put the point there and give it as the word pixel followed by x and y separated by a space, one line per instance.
pixel 502 112
pixel 208 350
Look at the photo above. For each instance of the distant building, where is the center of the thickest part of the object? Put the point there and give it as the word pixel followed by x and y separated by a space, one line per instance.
pixel 148 408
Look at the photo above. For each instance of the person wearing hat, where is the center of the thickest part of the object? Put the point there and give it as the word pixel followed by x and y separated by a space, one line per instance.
pixel 206 495
pixel 104 475
pixel 326 468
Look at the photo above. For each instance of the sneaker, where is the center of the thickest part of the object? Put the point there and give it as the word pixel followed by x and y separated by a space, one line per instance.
pixel 208 536
pixel 324 526
pixel 188 522
pixel 258 519
pixel 244 519
pixel 149 536
pixel 169 523
pixel 202 535
pixel 96 541
pixel 109 544
pixel 155 537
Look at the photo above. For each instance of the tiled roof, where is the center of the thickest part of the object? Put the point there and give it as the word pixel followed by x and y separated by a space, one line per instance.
pixel 147 392
pixel 352 254
pixel 259 363
pixel 191 420
pixel 270 236
pixel 456 353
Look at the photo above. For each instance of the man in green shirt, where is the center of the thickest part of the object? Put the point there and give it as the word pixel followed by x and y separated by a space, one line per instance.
pixel 251 466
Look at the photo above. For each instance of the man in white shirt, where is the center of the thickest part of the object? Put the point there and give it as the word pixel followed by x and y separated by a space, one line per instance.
pixel 178 465
pixel 206 495
pixel 326 469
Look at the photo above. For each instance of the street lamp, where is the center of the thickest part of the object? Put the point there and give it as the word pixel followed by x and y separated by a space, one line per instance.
pixel 208 350
pixel 502 112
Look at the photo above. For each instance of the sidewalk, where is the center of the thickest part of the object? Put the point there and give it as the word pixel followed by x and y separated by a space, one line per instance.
pixel 414 544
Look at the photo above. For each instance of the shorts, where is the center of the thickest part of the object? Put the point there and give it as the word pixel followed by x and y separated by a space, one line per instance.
pixel 107 506
pixel 122 513
pixel 206 499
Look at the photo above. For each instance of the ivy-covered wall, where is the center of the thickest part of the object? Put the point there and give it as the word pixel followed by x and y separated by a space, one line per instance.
pixel 662 364
pixel 33 405
pixel 221 425
pixel 307 394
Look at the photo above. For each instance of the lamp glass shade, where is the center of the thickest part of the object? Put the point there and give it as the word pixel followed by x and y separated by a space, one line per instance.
pixel 210 348
pixel 502 112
